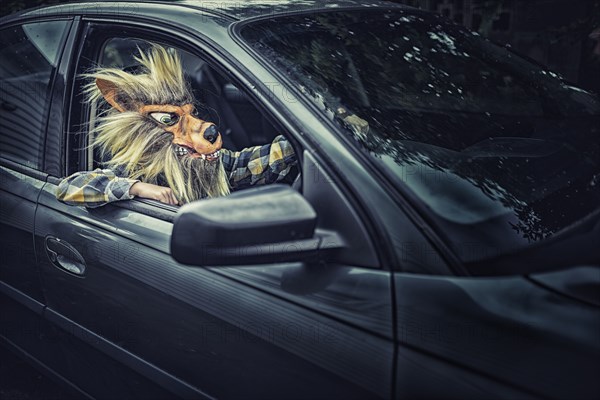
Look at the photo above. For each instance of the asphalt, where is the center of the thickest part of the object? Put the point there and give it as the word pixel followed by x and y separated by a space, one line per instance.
pixel 20 381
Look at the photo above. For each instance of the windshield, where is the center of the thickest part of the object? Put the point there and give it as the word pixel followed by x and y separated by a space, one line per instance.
pixel 493 146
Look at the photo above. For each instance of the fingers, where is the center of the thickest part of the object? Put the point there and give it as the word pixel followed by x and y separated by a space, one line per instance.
pixel 166 195
pixel 155 192
pixel 173 198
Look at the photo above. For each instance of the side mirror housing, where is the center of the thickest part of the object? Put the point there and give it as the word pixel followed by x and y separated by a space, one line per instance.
pixel 265 224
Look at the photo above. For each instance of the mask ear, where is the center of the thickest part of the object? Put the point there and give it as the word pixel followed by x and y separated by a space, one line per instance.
pixel 109 91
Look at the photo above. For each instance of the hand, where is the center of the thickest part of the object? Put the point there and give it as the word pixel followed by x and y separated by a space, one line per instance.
pixel 154 192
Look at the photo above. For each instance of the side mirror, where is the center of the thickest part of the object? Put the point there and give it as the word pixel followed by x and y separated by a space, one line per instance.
pixel 267 224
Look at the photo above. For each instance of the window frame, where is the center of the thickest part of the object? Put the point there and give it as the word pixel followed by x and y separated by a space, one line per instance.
pixel 89 47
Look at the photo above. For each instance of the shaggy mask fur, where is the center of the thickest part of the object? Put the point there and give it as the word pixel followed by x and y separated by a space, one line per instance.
pixel 152 130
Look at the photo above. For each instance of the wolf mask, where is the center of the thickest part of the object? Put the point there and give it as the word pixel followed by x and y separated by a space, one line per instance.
pixel 152 131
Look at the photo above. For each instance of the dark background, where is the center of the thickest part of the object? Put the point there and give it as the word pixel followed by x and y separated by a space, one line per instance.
pixel 556 33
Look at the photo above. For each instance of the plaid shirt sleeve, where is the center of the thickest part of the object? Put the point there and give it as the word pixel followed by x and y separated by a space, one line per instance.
pixel 94 188
pixel 252 166
pixel 259 165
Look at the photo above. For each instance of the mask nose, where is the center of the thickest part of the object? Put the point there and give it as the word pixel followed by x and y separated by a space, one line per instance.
pixel 211 134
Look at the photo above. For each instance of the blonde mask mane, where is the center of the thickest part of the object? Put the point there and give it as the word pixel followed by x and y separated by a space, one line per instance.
pixel 136 142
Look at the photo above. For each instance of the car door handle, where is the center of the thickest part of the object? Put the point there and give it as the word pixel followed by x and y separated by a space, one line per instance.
pixel 64 256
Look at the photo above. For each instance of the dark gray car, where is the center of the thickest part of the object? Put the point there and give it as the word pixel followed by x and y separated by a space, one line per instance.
pixel 441 240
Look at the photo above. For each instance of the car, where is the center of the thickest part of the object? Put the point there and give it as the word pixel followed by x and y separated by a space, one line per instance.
pixel 441 240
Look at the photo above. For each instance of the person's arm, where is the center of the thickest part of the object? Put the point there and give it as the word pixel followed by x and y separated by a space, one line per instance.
pixel 102 186
pixel 259 165
pixel 94 188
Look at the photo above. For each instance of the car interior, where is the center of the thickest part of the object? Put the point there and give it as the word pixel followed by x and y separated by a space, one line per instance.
pixel 218 100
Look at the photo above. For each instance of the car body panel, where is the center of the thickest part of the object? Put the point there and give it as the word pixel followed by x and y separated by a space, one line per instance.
pixel 135 323
pixel 229 9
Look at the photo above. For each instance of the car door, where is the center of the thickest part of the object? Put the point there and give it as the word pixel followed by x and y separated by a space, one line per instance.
pixel 278 330
pixel 30 53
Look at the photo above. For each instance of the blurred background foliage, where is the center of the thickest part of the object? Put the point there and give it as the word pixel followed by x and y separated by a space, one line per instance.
pixel 563 35
pixel 10 6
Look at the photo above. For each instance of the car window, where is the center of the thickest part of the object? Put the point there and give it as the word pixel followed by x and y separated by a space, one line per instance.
pixel 29 54
pixel 491 145
pixel 217 100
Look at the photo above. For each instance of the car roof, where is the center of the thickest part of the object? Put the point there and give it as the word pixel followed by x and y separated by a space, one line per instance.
pixel 231 9
pixel 247 9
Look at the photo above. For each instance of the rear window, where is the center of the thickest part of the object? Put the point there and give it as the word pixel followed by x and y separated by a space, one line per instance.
pixel 29 54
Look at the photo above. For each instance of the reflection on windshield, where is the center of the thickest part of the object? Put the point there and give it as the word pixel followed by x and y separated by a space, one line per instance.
pixel 492 139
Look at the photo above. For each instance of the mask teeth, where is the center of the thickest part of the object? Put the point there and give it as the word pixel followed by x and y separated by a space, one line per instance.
pixel 211 156
pixel 181 151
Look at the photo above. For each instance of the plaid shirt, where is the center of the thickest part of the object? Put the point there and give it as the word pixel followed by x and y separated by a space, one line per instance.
pixel 257 165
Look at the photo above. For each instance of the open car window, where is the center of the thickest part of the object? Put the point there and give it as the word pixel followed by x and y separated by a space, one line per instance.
pixel 217 100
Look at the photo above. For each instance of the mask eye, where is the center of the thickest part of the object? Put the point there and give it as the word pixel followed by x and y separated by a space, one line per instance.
pixel 168 119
